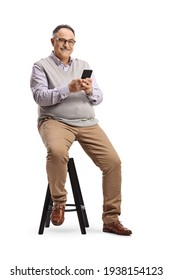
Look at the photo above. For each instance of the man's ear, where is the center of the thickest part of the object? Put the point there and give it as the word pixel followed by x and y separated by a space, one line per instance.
pixel 52 41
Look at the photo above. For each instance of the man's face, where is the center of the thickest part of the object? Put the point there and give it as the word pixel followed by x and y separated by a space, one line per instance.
pixel 63 43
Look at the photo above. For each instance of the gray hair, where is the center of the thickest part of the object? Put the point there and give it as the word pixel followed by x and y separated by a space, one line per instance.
pixel 62 26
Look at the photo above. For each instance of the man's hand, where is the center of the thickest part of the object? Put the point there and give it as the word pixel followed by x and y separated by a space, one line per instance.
pixel 87 85
pixel 75 85
pixel 81 84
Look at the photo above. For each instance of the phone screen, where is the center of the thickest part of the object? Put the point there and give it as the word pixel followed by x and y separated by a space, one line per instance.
pixel 86 73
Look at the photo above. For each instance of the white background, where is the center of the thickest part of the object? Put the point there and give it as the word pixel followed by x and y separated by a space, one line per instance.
pixel 129 46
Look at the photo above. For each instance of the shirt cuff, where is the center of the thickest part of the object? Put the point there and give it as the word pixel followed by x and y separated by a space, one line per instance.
pixel 63 91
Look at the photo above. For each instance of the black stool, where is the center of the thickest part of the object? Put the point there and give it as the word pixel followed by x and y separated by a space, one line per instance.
pixel 77 206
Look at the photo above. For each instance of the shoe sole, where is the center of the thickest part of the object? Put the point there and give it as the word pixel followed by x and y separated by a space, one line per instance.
pixel 57 224
pixel 111 231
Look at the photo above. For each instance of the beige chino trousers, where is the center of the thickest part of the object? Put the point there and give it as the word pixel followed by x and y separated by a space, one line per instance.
pixel 58 138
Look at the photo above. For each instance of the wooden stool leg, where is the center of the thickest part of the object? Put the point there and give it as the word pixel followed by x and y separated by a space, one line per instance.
pixel 47 224
pixel 82 216
pixel 45 211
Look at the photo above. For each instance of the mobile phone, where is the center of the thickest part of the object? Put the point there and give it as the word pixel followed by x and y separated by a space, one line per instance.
pixel 86 73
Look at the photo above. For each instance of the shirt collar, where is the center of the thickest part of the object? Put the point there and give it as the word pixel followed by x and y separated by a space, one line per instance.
pixel 58 61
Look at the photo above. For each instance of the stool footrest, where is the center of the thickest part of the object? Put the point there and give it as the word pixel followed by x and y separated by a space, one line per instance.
pixel 70 205
pixel 73 205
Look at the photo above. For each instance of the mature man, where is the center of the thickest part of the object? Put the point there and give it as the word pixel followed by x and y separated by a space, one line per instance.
pixel 66 113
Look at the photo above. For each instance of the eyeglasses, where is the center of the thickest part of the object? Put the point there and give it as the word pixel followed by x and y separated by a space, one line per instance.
pixel 63 41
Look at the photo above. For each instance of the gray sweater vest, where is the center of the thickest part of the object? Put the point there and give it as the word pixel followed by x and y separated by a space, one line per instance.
pixel 74 110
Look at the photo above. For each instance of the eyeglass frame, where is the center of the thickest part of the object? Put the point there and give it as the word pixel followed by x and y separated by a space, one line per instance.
pixel 70 42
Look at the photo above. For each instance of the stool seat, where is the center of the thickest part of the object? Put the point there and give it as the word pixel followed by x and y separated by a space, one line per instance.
pixel 77 206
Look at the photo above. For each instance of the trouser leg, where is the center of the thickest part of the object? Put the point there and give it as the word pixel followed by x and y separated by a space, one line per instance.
pixel 99 148
pixel 57 139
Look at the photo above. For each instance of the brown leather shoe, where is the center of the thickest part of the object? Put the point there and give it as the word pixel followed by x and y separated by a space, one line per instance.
pixel 117 228
pixel 57 215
